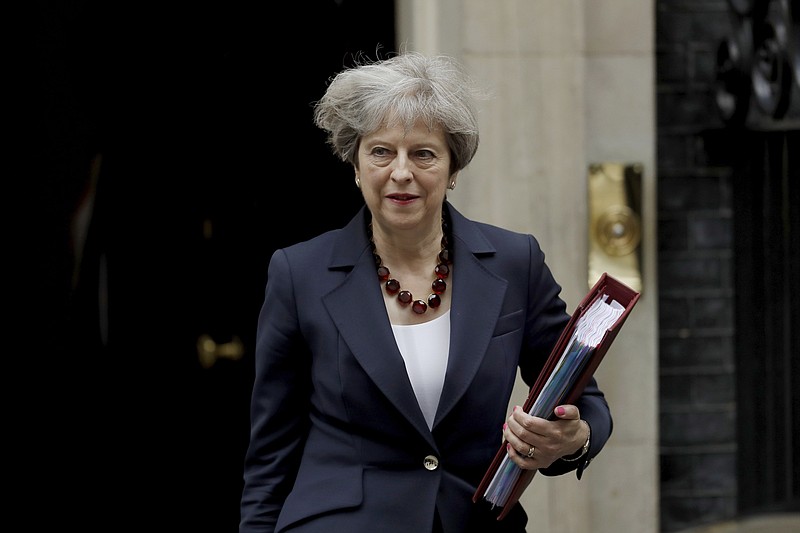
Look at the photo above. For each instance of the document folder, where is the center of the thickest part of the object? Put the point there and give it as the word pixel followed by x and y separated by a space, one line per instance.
pixel 606 289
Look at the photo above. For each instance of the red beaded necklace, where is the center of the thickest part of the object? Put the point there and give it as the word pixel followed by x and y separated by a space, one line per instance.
pixel 438 286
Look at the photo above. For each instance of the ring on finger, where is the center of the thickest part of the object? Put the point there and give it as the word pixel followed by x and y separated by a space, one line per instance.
pixel 531 451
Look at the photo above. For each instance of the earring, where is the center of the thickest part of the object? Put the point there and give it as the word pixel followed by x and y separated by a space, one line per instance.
pixel 452 185
pixel 358 182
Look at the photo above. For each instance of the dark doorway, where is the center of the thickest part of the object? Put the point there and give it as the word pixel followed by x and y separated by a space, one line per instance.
pixel 183 132
pixel 767 265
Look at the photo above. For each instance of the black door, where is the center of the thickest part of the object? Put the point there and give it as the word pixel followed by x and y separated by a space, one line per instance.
pixel 197 121
pixel 767 269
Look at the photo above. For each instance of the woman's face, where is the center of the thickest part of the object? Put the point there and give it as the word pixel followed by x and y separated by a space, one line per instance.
pixel 404 177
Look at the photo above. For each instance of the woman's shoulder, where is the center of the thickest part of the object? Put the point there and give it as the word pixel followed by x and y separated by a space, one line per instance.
pixel 352 231
pixel 484 235
pixel 312 246
pixel 502 233
pixel 335 248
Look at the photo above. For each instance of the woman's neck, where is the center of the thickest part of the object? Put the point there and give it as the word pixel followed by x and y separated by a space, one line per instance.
pixel 408 247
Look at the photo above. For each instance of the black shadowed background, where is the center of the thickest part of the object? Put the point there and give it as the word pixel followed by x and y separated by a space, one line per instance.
pixel 174 151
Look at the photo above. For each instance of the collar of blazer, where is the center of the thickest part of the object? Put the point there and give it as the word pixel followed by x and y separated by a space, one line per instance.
pixel 360 316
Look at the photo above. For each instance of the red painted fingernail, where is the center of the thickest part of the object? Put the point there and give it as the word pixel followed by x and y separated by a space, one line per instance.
pixel 560 411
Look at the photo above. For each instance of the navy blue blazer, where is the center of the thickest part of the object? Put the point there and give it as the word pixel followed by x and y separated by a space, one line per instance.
pixel 338 442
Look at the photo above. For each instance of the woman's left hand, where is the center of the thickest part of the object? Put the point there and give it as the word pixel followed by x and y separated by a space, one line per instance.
pixel 534 442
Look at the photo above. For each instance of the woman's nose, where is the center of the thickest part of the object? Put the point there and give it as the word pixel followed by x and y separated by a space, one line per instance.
pixel 402 169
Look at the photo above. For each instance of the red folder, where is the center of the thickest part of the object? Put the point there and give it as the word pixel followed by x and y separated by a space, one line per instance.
pixel 615 290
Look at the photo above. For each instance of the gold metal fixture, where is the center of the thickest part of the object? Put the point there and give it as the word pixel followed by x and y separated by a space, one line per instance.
pixel 208 351
pixel 615 226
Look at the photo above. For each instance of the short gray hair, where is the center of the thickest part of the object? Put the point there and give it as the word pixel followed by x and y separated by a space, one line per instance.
pixel 402 89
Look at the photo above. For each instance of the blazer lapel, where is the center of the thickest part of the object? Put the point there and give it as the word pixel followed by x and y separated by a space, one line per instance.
pixel 356 307
pixel 475 307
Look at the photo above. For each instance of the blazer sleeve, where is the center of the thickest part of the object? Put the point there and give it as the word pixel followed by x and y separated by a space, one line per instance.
pixel 547 318
pixel 282 379
pixel 594 409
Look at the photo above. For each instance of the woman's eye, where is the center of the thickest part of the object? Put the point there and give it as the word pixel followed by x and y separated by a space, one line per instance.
pixel 379 151
pixel 425 154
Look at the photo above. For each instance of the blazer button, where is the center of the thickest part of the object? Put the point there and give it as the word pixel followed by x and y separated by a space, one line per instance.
pixel 431 462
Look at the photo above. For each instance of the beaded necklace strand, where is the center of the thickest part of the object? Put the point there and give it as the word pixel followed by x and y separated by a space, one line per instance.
pixel 438 286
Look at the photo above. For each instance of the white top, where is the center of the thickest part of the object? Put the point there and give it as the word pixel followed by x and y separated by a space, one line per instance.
pixel 425 349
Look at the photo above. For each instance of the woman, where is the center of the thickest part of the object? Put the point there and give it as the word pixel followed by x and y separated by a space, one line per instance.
pixel 387 350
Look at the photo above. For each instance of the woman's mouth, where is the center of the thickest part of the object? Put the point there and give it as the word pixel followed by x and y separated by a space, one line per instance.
pixel 401 197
